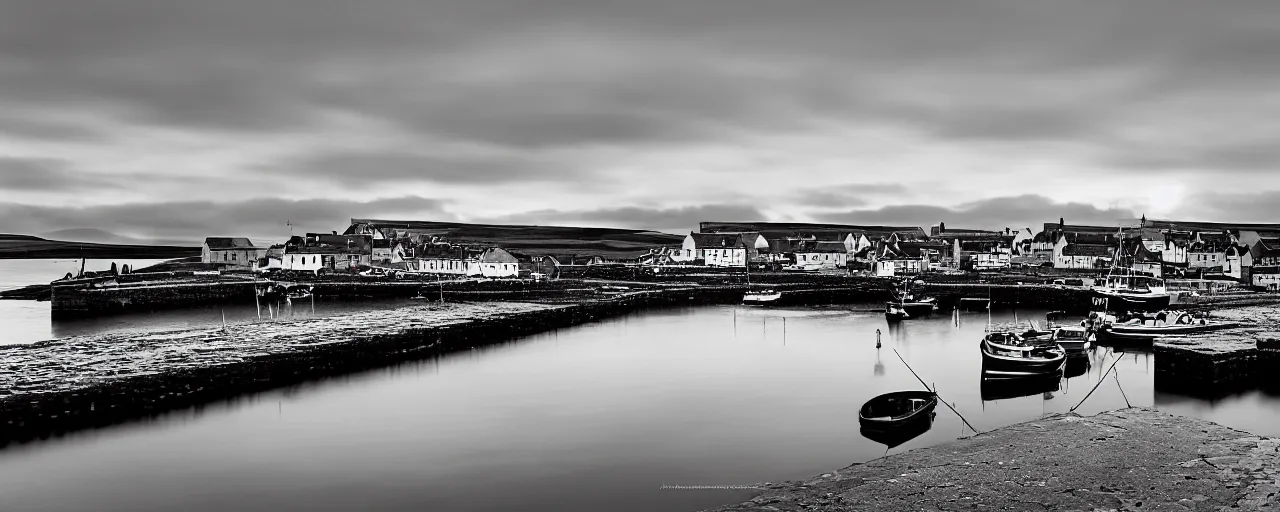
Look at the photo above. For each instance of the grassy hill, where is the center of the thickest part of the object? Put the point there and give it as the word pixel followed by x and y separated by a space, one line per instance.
pixel 31 247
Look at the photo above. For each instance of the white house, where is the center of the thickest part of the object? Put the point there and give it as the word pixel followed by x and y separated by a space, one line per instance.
pixel 232 251
pixel 496 263
pixel 721 249
pixel 823 255
pixel 1237 262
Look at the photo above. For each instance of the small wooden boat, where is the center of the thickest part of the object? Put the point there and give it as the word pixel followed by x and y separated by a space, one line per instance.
pixel 894 438
pixel 764 297
pixel 1006 354
pixel 893 411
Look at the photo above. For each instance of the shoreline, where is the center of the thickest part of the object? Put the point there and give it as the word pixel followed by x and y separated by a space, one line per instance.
pixel 1128 459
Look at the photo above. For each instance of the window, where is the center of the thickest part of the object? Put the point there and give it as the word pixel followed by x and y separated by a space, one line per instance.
pixel 233 256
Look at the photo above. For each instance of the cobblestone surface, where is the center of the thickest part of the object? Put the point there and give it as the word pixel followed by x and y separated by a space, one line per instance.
pixel 1131 459
pixel 78 362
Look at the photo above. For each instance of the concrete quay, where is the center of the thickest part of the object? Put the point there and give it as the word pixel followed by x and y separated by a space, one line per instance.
pixel 1218 363
pixel 1130 459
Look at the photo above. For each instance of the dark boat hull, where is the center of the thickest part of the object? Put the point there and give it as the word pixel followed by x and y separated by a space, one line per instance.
pixel 887 412
pixel 897 437
pixel 913 309
pixel 1123 302
pixel 996 365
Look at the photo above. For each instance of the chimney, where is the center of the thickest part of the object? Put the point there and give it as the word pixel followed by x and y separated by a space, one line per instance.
pixel 1062 224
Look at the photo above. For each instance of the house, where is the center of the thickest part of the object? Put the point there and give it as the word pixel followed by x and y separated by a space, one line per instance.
pixel 722 249
pixel 1022 241
pixel 1208 250
pixel 231 251
pixel 1237 263
pixel 822 255
pixel 1172 245
pixel 1047 239
pixel 1083 255
pixel 442 259
pixel 389 250
pixel 273 259
pixel 983 254
pixel 902 258
pixel 319 251
pixel 496 262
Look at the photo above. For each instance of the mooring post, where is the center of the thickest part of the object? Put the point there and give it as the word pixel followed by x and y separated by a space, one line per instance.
pixel 877 338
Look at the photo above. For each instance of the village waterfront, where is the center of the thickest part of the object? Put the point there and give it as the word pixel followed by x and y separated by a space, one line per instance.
pixel 588 417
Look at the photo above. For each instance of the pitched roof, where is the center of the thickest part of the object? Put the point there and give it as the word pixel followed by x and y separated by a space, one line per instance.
pixel 1095 250
pixel 831 247
pixel 221 243
pixel 717 240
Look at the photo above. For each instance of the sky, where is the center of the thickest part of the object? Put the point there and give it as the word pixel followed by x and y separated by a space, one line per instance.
pixel 178 119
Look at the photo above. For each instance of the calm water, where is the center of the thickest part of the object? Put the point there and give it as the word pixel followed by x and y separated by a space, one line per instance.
pixel 595 417
pixel 29 321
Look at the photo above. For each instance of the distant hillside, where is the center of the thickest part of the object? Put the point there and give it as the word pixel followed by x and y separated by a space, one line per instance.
pixel 555 240
pixel 99 236
pixel 30 247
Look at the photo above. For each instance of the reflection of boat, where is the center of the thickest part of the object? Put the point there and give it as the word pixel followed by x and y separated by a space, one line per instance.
pixel 762 297
pixel 1003 389
pixel 1076 366
pixel 896 437
pixel 1005 354
pixel 298 292
pixel 894 411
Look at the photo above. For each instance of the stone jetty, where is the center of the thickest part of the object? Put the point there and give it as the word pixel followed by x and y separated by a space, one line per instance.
pixel 1221 362
pixel 1131 459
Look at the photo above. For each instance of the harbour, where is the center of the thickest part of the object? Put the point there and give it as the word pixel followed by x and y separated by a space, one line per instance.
pixel 758 394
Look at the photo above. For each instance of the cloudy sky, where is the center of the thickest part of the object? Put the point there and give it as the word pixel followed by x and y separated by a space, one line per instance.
pixel 181 118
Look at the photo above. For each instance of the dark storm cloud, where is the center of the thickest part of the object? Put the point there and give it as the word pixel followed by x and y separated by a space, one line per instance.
pixel 45 175
pixel 664 72
pixel 1025 211
pixel 671 220
pixel 196 219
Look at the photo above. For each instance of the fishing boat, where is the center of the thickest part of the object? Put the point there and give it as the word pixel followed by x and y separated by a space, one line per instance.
pixel 1143 329
pixel 1125 290
pixel 893 313
pixel 913 306
pixel 764 297
pixel 1006 354
pixel 1074 340
pixel 894 438
pixel 897 410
